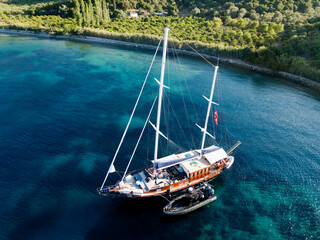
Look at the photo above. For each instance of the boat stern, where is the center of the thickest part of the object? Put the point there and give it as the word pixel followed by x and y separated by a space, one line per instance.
pixel 230 161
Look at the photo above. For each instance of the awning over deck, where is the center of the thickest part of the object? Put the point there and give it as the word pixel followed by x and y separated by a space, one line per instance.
pixel 213 154
pixel 174 159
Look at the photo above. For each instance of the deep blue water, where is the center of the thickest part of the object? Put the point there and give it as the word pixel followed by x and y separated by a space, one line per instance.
pixel 64 105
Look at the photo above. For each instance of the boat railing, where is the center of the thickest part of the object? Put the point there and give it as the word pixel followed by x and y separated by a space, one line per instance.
pixel 233 148
pixel 214 172
pixel 106 190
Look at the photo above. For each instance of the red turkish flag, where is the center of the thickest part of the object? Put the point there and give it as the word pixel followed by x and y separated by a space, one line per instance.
pixel 216 116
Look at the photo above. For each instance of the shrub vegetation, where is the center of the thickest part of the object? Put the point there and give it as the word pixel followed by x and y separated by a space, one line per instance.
pixel 283 35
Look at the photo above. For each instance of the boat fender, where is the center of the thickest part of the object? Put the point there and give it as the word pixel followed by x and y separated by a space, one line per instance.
pixel 128 178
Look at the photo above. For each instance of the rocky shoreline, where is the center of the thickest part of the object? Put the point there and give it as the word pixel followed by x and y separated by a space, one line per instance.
pixel 235 62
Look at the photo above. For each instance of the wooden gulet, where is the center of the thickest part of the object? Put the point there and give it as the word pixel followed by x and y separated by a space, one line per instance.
pixel 175 172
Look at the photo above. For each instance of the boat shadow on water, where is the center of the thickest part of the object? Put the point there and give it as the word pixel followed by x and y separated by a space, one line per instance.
pixel 128 219
pixel 138 218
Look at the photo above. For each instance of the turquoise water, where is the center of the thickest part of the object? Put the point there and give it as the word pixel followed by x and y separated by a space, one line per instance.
pixel 64 106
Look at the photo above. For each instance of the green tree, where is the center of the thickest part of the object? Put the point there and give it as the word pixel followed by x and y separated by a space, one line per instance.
pixel 120 14
pixel 159 8
pixel 88 15
pixel 92 18
pixel 195 11
pixel 277 17
pixel 254 15
pixel 98 12
pixel 173 10
pixel 217 22
pixel 114 5
pixel 242 12
pixel 77 12
pixel 105 13
pixel 253 25
pixel 84 13
pixel 264 28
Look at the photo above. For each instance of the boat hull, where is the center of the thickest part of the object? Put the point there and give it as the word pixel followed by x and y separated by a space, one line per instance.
pixel 168 211
pixel 172 178
pixel 170 190
pixel 190 201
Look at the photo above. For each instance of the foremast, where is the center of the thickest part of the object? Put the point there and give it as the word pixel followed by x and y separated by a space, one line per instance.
pixel 163 65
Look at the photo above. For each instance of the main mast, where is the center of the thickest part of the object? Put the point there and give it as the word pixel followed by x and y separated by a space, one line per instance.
pixel 163 65
pixel 209 109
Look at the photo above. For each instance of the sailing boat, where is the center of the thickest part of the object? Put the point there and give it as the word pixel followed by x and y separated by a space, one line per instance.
pixel 176 172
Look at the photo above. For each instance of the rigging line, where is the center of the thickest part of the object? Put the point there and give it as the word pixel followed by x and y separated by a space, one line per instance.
pixel 164 198
pixel 118 173
pixel 221 107
pixel 220 100
pixel 194 50
pixel 234 113
pixel 213 127
pixel 167 117
pixel 184 103
pixel 133 111
pixel 169 103
pixel 231 134
pixel 185 81
pixel 168 123
pixel 178 144
pixel 168 108
pixel 175 132
pixel 135 148
pixel 154 91
pixel 161 148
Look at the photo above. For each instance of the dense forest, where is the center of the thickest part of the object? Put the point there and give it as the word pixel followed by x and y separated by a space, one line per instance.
pixel 283 35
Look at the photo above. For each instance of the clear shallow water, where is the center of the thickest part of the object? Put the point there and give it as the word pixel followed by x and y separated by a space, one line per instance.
pixel 64 106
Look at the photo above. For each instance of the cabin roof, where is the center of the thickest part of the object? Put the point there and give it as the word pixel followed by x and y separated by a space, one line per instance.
pixel 194 165
pixel 174 159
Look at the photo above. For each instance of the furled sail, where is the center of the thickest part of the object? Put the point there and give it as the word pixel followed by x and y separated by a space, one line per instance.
pixel 112 169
